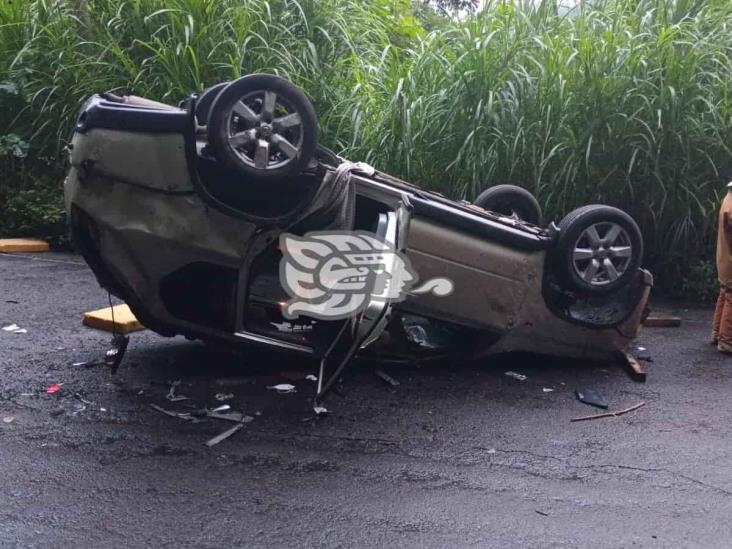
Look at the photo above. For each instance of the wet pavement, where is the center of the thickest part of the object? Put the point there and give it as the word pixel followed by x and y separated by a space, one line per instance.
pixel 456 455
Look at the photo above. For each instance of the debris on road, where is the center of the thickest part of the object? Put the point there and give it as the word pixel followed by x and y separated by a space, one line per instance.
pixel 53 389
pixel 14 328
pixel 547 390
pixel 180 415
pixel 283 388
pixel 320 410
pixel 87 364
pixel 635 370
pixel 660 320
pixel 230 416
pixel 8 419
pixel 171 396
pixel 222 408
pixel 118 320
pixel 221 397
pixel 80 398
pixel 387 378
pixel 223 436
pixel 542 513
pixel 515 375
pixel 610 414
pixel 311 377
pixel 589 396
pixel 18 245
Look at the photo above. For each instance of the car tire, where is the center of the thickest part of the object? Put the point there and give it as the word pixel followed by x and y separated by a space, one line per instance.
pixel 261 126
pixel 511 201
pixel 205 100
pixel 599 249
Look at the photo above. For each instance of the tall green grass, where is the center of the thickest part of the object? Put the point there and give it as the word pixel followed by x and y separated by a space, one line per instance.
pixel 625 102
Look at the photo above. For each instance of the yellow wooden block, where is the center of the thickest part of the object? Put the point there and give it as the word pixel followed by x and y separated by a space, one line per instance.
pixel 124 321
pixel 14 245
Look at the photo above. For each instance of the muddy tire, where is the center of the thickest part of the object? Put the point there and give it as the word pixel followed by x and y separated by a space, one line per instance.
pixel 511 201
pixel 263 127
pixel 598 251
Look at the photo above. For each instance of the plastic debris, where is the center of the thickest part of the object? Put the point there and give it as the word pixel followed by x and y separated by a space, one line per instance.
pixel 320 410
pixel 283 388
pixel 223 436
pixel 183 415
pixel 222 408
pixel 591 397
pixel 8 419
pixel 641 348
pixel 547 390
pixel 515 375
pixel 224 396
pixel 311 377
pixel 79 364
pixel 53 389
pixel 21 331
pixel 11 328
pixel 387 378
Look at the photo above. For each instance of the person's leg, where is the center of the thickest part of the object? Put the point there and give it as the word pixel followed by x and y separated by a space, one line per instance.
pixel 717 316
pixel 725 324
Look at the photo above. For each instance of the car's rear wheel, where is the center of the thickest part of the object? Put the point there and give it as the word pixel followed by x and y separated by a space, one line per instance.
pixel 511 201
pixel 598 250
pixel 263 126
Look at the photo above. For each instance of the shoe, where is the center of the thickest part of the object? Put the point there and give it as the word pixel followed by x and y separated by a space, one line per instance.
pixel 724 347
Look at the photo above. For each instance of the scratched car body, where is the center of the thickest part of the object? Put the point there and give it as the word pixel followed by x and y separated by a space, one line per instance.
pixel 179 211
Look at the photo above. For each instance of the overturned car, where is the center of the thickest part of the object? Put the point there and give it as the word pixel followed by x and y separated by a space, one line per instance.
pixel 224 220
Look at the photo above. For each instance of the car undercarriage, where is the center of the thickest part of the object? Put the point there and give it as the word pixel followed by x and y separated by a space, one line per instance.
pixel 189 214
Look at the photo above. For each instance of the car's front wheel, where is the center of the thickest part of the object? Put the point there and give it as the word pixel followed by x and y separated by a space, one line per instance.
pixel 598 250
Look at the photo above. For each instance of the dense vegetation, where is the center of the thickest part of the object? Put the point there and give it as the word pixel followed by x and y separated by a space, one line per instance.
pixel 623 101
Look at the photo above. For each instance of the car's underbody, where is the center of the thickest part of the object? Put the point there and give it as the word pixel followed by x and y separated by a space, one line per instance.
pixel 194 247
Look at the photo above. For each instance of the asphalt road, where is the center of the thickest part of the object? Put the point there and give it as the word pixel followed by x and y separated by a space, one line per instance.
pixel 457 455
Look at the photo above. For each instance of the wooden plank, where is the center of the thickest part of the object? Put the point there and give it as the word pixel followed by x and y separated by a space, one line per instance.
pixel 635 370
pixel 18 245
pixel 124 321
pixel 660 320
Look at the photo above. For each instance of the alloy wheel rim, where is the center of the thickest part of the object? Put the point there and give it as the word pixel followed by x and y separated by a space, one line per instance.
pixel 265 131
pixel 602 253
